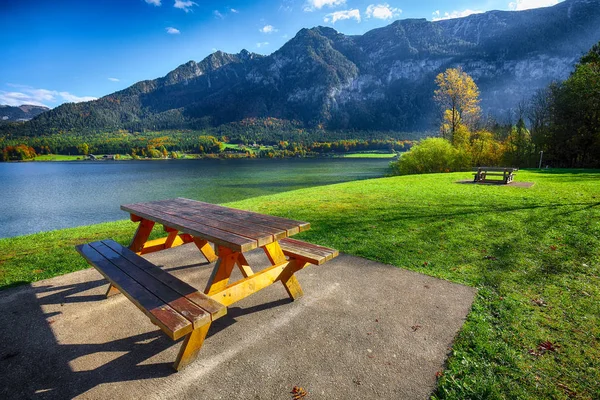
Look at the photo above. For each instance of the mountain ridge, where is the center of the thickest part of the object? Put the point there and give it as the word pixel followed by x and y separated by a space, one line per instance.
pixel 383 79
pixel 24 112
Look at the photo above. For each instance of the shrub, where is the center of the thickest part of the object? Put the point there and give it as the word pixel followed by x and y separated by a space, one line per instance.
pixel 431 156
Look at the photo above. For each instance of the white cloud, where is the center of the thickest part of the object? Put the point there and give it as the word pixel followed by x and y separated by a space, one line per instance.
pixel 217 14
pixel 185 5
pixel 341 15
pixel 75 99
pixel 268 29
pixel 113 79
pixel 233 10
pixel 262 44
pixel 313 5
pixel 437 16
pixel 172 31
pixel 520 5
pixel 154 2
pixel 38 97
pixel 382 11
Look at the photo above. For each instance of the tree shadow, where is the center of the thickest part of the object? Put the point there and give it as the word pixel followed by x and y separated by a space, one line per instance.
pixel 34 364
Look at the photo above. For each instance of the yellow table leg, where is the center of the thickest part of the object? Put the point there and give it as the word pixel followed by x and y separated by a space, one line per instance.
pixel 190 347
pixel 220 275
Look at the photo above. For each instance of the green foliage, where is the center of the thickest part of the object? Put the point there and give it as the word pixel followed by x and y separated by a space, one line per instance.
pixel 431 156
pixel 209 145
pixel 573 138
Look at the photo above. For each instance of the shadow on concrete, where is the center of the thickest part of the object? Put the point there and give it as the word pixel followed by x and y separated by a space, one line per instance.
pixel 35 364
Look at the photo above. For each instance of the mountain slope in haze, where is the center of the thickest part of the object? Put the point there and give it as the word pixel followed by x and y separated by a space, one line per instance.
pixel 24 112
pixel 383 79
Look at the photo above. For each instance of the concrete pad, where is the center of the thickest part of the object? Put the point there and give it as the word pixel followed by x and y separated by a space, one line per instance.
pixel 362 330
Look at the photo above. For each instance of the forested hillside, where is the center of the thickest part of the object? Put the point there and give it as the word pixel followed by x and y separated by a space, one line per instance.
pixel 381 80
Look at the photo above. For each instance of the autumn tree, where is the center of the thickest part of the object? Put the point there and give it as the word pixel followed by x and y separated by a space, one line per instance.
pixel 458 98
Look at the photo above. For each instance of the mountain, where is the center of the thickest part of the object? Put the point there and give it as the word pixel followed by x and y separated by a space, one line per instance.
pixel 20 113
pixel 381 80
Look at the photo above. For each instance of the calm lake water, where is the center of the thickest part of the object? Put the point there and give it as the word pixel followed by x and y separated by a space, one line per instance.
pixel 39 197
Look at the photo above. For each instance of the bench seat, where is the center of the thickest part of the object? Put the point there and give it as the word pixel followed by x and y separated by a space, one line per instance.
pixel 308 252
pixel 177 308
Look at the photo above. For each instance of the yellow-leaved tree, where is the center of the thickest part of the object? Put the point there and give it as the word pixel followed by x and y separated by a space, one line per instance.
pixel 458 98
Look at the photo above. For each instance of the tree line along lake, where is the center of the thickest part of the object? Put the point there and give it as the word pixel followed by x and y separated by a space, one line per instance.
pixel 39 196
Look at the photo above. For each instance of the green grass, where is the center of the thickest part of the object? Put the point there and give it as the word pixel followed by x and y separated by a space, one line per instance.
pixel 370 155
pixel 534 255
pixel 57 157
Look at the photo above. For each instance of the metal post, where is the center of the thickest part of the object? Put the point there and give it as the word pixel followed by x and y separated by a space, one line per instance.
pixel 541 156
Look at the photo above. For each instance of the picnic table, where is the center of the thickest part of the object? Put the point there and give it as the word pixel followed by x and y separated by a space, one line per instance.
pixel 173 305
pixel 482 173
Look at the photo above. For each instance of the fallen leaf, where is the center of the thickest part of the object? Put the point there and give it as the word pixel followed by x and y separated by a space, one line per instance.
pixel 547 346
pixel 425 263
pixel 491 258
pixel 415 327
pixel 298 393
pixel 439 374
pixel 37 271
pixel 553 247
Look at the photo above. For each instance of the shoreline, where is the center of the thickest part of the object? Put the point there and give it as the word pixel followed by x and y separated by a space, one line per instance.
pixel 390 156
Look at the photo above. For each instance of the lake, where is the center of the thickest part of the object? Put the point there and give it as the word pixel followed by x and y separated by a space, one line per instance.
pixel 40 196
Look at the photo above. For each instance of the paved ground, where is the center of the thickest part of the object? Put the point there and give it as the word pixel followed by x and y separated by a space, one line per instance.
pixel 363 330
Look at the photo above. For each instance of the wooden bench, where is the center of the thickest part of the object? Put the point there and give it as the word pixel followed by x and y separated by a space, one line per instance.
pixel 175 307
pixel 307 252
pixel 482 173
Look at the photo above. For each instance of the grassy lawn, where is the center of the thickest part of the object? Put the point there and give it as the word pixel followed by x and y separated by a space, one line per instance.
pixel 534 254
pixel 57 157
pixel 370 155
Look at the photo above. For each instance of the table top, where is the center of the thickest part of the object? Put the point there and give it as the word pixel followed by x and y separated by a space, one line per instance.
pixel 236 229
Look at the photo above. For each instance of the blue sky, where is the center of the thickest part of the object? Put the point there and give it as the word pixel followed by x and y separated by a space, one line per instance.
pixel 76 50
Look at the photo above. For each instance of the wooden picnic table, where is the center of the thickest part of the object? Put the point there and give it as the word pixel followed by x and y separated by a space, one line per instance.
pixel 173 305
pixel 233 232
pixel 505 174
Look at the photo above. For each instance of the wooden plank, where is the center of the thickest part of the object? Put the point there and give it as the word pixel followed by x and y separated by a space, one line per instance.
pixel 214 308
pixel 190 347
pixel 310 252
pixel 235 216
pixel 142 233
pixel 247 286
pixel 222 270
pixel 205 248
pixel 191 311
pixel 217 236
pixel 230 222
pixel 111 291
pixel 270 220
pixel 254 232
pixel 244 266
pixel 161 314
pixel 313 247
pixel 274 253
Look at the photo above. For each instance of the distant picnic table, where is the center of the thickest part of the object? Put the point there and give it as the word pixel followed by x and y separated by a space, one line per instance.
pixel 503 174
pixel 174 306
